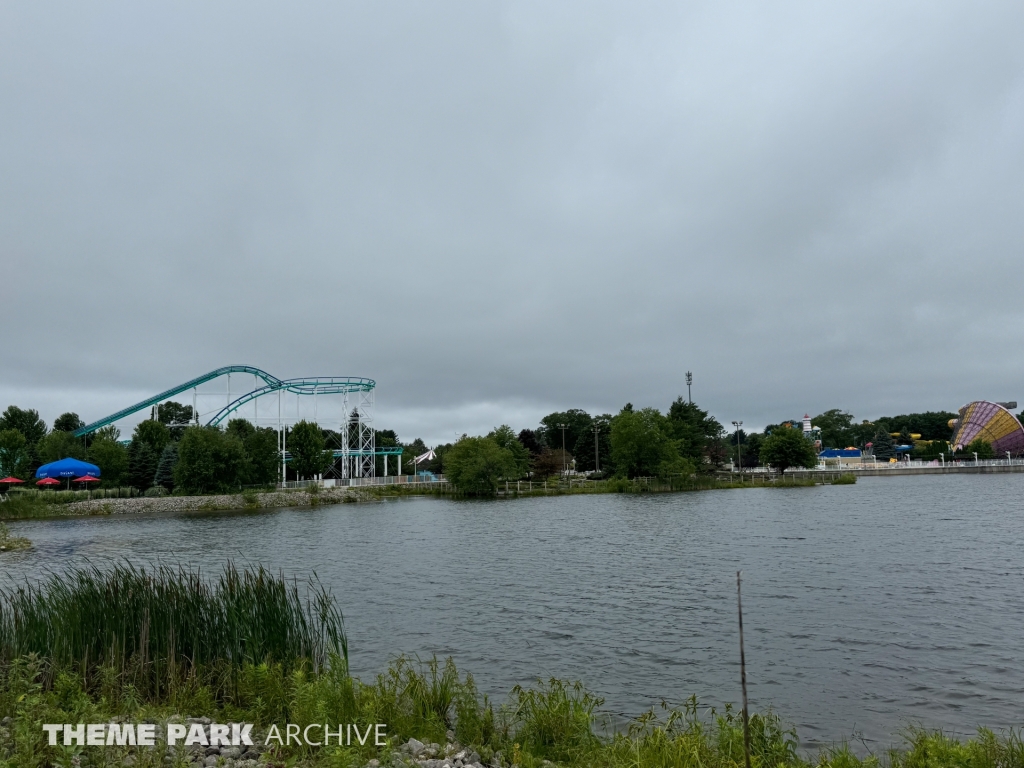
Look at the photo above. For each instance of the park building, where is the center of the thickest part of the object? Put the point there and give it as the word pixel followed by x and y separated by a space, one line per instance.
pixel 841 457
pixel 990 422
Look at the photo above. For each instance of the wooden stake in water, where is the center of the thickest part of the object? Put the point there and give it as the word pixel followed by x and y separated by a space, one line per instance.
pixel 743 674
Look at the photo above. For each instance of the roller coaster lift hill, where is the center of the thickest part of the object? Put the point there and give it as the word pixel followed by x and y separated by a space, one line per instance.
pixel 347 400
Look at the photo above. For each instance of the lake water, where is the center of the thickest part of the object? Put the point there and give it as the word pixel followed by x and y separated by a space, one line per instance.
pixel 867 608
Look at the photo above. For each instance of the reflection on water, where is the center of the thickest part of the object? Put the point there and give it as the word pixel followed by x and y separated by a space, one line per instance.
pixel 867 607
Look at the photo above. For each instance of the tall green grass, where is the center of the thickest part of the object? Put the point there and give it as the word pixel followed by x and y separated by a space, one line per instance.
pixel 550 722
pixel 158 627
pixel 249 646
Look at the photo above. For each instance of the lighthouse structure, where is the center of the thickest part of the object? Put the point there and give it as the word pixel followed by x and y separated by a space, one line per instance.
pixel 812 433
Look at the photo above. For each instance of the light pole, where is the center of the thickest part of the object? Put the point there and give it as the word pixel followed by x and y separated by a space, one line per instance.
pixel 739 451
pixel 563 427
pixel 1007 458
pixel 975 458
pixel 942 458
pixel 689 383
pixel 597 455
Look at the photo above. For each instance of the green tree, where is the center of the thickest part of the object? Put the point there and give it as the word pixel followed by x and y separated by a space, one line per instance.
pixel 475 465
pixel 109 432
pixel 905 438
pixel 980 447
pixel 59 445
pixel 25 421
pixel 112 459
pixel 506 438
pixel 310 456
pixel 787 447
pixel 577 422
pixel 882 445
pixel 752 449
pixel 209 460
pixel 836 428
pixel 142 463
pixel 698 436
pixel 931 425
pixel 240 428
pixel 548 463
pixel 531 442
pixel 262 458
pixel 410 452
pixel 14 454
pixel 583 450
pixel 175 416
pixel 67 422
pixel 152 433
pixel 164 476
pixel 641 446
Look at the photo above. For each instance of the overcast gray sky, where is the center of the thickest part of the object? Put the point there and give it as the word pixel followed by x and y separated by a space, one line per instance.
pixel 501 209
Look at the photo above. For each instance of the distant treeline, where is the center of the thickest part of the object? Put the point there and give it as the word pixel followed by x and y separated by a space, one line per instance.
pixel 170 452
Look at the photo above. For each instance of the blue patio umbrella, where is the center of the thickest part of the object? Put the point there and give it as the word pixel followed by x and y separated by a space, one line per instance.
pixel 67 468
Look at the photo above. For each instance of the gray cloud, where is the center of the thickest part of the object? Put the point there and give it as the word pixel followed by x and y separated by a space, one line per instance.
pixel 502 209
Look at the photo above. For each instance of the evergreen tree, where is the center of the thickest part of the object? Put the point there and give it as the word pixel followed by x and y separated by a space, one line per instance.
pixel 530 442
pixel 883 446
pixel 142 463
pixel 698 435
pixel 165 467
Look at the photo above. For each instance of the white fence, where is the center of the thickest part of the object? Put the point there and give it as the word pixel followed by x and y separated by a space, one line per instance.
pixel 354 482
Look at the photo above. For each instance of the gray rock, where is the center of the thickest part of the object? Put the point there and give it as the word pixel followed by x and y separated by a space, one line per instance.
pixel 414 747
pixel 211 751
pixel 210 761
pixel 472 757
pixel 231 752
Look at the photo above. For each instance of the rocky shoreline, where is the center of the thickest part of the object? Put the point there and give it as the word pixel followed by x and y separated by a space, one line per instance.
pixel 210 503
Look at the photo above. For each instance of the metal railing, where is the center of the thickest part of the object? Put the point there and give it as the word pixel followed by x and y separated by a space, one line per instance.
pixel 360 482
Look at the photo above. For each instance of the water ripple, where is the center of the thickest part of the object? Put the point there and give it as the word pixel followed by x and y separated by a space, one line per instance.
pixel 871 607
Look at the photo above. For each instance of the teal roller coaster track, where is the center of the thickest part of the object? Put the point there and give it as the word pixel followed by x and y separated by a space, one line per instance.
pixel 317 385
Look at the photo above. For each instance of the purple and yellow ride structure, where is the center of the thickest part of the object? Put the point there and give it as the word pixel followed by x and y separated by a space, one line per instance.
pixel 991 422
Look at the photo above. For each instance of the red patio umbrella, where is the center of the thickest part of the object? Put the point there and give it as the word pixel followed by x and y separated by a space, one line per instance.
pixel 10 480
pixel 48 481
pixel 86 479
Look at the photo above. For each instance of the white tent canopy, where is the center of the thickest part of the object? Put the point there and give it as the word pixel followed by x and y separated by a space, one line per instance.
pixel 424 457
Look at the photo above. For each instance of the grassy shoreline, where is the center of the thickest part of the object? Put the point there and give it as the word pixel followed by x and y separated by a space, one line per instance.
pixel 38 506
pixel 129 645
